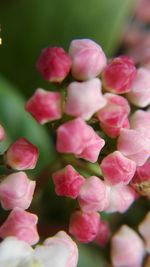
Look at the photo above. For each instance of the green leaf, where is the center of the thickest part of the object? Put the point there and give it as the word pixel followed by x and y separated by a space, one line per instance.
pixel 91 257
pixel 18 123
pixel 30 25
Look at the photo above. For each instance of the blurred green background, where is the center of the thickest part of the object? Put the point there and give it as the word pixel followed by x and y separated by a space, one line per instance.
pixel 27 27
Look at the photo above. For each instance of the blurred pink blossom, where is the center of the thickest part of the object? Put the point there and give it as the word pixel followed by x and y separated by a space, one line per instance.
pixel 127 248
pixel 103 235
pixel 139 94
pixel 84 226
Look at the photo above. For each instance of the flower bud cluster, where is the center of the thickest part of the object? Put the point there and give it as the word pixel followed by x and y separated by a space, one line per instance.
pixel 95 123
pixel 17 190
pixel 19 230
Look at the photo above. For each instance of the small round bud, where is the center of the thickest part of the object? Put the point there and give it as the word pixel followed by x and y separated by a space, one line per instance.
pixel 54 64
pixel 88 59
pixel 84 226
pixel 119 75
pixel 22 155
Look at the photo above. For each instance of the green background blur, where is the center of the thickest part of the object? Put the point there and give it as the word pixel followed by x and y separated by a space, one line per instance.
pixel 27 27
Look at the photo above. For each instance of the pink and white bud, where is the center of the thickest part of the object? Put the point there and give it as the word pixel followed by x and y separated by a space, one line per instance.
pixel 144 230
pixel 2 133
pixel 103 235
pixel 56 251
pixel 15 253
pixel 88 59
pixel 54 64
pixel 22 225
pixel 134 145
pixel 121 198
pixel 22 155
pixel 84 98
pixel 117 169
pixel 16 190
pixel 77 137
pixel 93 195
pixel 140 121
pixel 45 106
pixel 67 182
pixel 141 179
pixel 127 248
pixel 119 75
pixel 64 251
pixel 84 226
pixel 140 89
pixel 113 116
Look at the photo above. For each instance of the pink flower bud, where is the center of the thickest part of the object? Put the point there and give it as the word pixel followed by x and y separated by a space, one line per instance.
pixel 84 226
pixel 127 248
pixel 141 179
pixel 80 139
pixel 22 225
pixel 142 173
pixel 84 98
pixel 88 59
pixel 22 155
pixel 45 106
pixel 117 169
pixel 59 242
pixel 144 229
pixel 121 198
pixel 119 74
pixel 113 116
pixel 140 89
pixel 103 235
pixel 16 190
pixel 93 195
pixel 2 133
pixel 140 121
pixel 134 145
pixel 54 64
pixel 67 182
